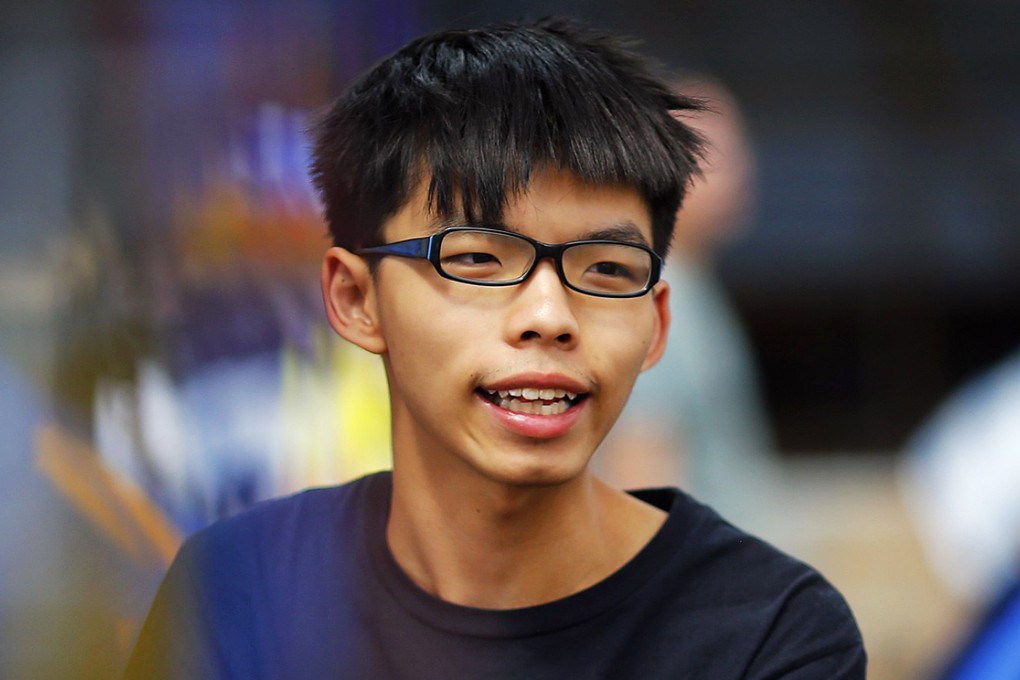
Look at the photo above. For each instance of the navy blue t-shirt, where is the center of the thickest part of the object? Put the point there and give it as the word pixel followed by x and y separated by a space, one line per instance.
pixel 305 587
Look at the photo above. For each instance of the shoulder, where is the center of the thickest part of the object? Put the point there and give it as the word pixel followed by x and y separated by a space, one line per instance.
pixel 312 521
pixel 311 506
pixel 785 612
pixel 279 560
pixel 711 550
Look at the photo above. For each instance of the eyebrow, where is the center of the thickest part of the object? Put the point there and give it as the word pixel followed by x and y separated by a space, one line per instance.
pixel 437 225
pixel 624 232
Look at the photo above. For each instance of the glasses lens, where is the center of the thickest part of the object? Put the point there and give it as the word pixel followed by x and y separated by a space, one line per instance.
pixel 608 268
pixel 484 256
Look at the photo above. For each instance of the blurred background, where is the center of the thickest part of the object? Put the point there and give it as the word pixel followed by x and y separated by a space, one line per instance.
pixel 845 290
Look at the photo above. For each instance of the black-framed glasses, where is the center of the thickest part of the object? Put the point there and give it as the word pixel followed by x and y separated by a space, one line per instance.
pixel 485 256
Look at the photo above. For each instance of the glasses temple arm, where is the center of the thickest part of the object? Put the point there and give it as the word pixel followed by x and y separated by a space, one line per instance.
pixel 416 247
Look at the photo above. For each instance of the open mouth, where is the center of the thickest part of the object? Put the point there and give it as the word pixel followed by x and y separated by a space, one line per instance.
pixel 543 401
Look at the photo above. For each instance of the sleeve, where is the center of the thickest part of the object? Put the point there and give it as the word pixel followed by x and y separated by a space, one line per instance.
pixel 814 637
pixel 198 626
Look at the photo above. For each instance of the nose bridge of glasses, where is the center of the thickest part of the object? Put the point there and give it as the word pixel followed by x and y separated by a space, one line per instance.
pixel 551 251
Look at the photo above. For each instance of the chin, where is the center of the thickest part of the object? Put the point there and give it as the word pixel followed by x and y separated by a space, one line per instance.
pixel 535 473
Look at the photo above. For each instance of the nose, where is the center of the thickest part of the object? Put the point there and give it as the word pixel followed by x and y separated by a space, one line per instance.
pixel 541 312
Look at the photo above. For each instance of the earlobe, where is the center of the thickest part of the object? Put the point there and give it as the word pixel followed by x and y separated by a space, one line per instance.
pixel 660 332
pixel 348 293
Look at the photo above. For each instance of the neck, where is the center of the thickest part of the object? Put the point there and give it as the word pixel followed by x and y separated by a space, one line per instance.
pixel 485 544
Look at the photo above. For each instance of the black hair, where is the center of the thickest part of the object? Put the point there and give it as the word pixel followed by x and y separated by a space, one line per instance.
pixel 477 111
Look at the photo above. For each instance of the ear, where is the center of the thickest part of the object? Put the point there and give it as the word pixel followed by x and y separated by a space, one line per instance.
pixel 348 292
pixel 660 332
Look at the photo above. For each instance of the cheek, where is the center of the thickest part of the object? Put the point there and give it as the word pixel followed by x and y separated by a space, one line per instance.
pixel 625 340
pixel 621 346
pixel 428 336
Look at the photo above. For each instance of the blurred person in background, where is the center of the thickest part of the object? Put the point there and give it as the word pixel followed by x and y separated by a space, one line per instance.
pixel 697 418
pixel 961 482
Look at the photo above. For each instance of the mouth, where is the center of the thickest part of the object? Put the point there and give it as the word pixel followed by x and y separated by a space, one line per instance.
pixel 543 401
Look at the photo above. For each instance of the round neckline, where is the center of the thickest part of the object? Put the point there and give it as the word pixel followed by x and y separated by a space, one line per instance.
pixel 525 621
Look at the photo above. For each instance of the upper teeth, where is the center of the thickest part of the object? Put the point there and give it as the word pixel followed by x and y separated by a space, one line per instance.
pixel 532 393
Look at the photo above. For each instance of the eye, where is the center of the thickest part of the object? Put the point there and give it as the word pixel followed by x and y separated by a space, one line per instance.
pixel 484 256
pixel 468 259
pixel 612 269
pixel 607 267
pixel 474 265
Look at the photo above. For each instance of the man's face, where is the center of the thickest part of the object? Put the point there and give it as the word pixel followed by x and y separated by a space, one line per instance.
pixel 518 384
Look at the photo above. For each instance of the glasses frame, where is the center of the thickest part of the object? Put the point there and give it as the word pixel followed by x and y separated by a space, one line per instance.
pixel 429 247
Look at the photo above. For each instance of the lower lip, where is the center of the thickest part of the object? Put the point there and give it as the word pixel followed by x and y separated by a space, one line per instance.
pixel 535 426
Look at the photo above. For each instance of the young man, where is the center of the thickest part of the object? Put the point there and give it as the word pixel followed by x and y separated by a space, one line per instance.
pixel 500 201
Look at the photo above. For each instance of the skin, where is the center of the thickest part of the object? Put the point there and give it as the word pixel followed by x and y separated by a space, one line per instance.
pixel 490 509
